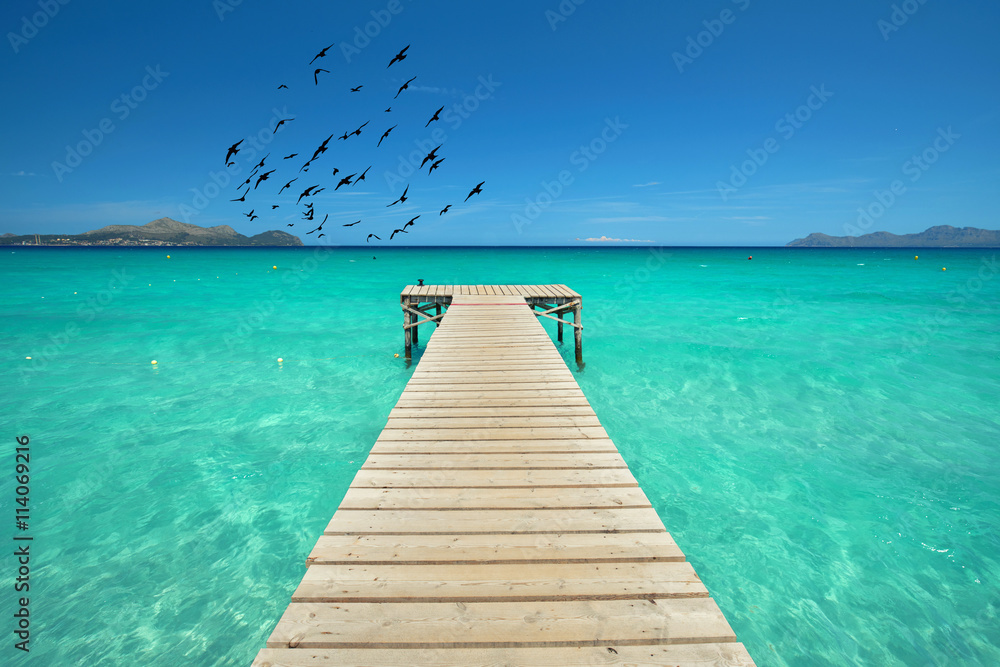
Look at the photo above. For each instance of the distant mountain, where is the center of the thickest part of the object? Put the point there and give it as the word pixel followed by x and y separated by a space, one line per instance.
pixel 941 236
pixel 164 231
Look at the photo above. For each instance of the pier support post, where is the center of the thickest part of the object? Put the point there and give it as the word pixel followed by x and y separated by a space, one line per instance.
pixel 406 330
pixel 578 330
pixel 416 328
pixel 559 328
pixel 437 312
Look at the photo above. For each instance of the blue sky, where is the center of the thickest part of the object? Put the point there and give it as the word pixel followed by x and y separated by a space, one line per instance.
pixel 721 122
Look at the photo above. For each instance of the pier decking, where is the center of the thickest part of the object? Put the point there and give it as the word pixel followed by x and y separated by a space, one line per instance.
pixel 495 523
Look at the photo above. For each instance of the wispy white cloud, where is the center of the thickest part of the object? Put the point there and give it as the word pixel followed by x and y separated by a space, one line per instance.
pixel 605 239
pixel 638 218
pixel 645 185
pixel 23 173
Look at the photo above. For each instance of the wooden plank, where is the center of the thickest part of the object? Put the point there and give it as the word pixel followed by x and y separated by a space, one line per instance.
pixel 511 433
pixel 436 421
pixel 490 400
pixel 489 460
pixel 494 522
pixel 486 549
pixel 488 409
pixel 505 582
pixel 523 478
pixel 512 447
pixel 465 499
pixel 500 624
pixel 673 655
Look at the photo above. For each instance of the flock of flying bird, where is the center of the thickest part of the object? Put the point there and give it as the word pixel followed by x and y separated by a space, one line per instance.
pixel 351 179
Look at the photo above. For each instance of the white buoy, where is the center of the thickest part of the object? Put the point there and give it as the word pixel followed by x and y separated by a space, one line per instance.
pixel 280 360
pixel 153 362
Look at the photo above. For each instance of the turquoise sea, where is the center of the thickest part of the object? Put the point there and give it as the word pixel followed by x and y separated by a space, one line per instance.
pixel 818 429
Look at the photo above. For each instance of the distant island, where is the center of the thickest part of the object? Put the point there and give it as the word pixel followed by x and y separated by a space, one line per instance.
pixel 941 236
pixel 162 232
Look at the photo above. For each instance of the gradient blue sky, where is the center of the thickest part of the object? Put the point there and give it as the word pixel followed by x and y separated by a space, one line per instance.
pixel 558 86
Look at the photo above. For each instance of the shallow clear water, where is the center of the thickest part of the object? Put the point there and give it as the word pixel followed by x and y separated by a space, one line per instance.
pixel 818 430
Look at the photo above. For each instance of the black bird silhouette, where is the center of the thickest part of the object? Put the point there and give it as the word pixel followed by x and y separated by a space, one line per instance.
pixel 308 192
pixel 246 182
pixel 350 224
pixel 250 213
pixel 253 217
pixel 435 116
pixel 401 199
pixel 282 86
pixel 315 79
pixel 361 177
pixel 402 88
pixel 435 165
pixel 412 220
pixel 261 163
pixel 233 150
pixel 263 177
pixel 445 209
pixel 286 185
pixel 344 137
pixel 280 123
pixel 322 148
pixel 397 231
pixel 243 198
pixel 399 57
pixel 288 157
pixel 274 206
pixel 305 167
pixel 321 236
pixel 291 224
pixel 321 54
pixel 309 215
pixel 354 90
pixel 346 180
pixel 476 190
pixel 368 240
pixel 430 157
pixel 385 134
pixel 358 131
pixel 389 110
pixel 230 164
pixel 320 228
pixel 309 205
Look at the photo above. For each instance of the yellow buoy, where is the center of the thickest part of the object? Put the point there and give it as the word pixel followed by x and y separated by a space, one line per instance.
pixel 943 268
pixel 153 362
pixel 396 355
pixel 916 257
pixel 168 256
pixel 280 360
pixel 274 267
pixel 27 357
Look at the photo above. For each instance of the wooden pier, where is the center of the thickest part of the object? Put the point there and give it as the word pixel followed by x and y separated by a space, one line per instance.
pixel 555 301
pixel 495 523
